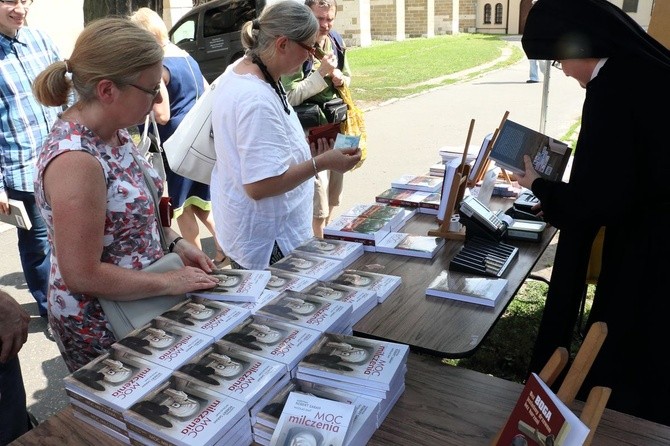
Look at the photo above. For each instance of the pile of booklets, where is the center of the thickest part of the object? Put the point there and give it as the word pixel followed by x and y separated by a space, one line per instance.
pixel 344 251
pixel 362 301
pixel 316 267
pixel 367 223
pixel 422 202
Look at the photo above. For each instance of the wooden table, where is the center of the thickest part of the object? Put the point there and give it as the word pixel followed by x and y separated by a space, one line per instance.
pixel 437 326
pixel 442 405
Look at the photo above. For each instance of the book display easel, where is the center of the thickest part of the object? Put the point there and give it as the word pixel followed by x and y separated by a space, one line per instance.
pixel 482 162
pixel 455 189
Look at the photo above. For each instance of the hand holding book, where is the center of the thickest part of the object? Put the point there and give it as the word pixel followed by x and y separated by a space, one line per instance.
pixel 526 179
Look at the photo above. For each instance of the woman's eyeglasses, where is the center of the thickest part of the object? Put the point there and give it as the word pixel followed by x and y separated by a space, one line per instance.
pixel 557 64
pixel 152 92
pixel 310 49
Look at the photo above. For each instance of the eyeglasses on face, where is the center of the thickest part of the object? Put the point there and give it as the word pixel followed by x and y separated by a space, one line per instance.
pixel 15 3
pixel 557 64
pixel 152 92
pixel 310 49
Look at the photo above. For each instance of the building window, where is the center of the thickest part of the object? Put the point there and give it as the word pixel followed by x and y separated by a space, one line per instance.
pixel 487 14
pixel 499 10
pixel 629 6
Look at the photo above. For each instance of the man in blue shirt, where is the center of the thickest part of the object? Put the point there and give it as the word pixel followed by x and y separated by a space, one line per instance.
pixel 24 123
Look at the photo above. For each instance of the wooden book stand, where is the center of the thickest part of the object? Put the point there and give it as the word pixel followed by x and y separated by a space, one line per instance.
pixel 598 396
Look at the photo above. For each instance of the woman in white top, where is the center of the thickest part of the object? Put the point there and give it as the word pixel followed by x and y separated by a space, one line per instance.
pixel 262 182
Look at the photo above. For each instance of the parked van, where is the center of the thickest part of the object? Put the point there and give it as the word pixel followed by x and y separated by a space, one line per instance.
pixel 211 33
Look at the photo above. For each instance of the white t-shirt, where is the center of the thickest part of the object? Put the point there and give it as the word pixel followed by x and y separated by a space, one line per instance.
pixel 255 139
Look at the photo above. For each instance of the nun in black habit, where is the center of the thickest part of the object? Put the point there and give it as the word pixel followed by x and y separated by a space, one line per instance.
pixel 620 179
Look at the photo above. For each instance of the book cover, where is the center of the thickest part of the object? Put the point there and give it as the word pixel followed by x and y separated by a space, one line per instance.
pixel 309 311
pixel 269 414
pixel 478 290
pixel 426 183
pixel 281 280
pixel 115 380
pixel 266 296
pixel 307 265
pixel 356 360
pixel 382 284
pixel 451 169
pixel 550 156
pixel 184 416
pixel 163 342
pixel 430 204
pixel 310 420
pixel 393 214
pixel 401 197
pixel 273 339
pixel 228 370
pixel 18 216
pixel 206 316
pixel 413 245
pixel 236 285
pixel 362 301
pixel 342 250
pixel 366 230
pixel 540 418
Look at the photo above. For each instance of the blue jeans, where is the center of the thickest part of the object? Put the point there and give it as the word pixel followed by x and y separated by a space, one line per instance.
pixel 34 251
pixel 14 420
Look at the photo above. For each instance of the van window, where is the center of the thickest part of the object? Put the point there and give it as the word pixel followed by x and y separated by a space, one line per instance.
pixel 228 18
pixel 185 32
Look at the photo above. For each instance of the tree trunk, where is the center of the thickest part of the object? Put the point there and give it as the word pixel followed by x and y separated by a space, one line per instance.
pixel 95 9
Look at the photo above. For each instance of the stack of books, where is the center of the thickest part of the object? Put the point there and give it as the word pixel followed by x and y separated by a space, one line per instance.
pixel 401 243
pixel 362 301
pixel 104 388
pixel 252 307
pixel 315 267
pixel 397 216
pixel 227 370
pixel 164 343
pixel 273 339
pixel 309 311
pixel 425 183
pixel 478 290
pixel 423 202
pixel 178 414
pixel 281 280
pixel 205 316
pixel 382 284
pixel 344 251
pixel 367 231
pixel 236 285
pixel 370 367
pixel 448 153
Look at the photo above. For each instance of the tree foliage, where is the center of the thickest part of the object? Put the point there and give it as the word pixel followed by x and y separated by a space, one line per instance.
pixel 95 9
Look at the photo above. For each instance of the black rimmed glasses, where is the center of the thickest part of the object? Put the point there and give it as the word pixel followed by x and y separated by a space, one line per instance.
pixel 557 64
pixel 15 3
pixel 152 92
pixel 310 49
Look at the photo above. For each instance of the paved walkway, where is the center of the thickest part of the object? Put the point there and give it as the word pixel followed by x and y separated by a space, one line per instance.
pixel 403 136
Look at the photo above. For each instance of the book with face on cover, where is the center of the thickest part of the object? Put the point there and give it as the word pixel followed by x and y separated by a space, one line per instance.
pixel 541 418
pixel 310 420
pixel 206 316
pixel 236 285
pixel 382 284
pixel 342 250
pixel 355 360
pixel 412 245
pixel 186 416
pixel 474 289
pixel 362 301
pixel 228 370
pixel 163 342
pixel 425 183
pixel 266 296
pixel 307 265
pixel 309 311
pixel 280 341
pixel 281 280
pixel 114 380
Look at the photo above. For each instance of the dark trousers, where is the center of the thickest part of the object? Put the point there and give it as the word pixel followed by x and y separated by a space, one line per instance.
pixel 14 420
pixel 34 251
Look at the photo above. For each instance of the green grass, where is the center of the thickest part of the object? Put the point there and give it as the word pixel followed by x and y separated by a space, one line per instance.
pixel 388 70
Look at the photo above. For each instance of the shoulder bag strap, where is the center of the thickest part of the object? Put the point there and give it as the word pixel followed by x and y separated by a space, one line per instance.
pixel 154 194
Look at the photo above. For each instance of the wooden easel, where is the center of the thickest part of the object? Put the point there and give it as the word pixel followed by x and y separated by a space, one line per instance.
pixel 456 191
pixel 485 161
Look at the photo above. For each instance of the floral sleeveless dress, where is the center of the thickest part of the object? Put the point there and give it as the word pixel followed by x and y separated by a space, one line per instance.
pixel 131 237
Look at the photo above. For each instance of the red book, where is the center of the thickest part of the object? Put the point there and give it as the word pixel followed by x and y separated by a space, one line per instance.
pixel 541 419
